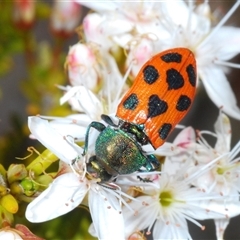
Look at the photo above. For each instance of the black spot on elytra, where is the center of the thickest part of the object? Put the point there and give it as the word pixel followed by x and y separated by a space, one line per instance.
pixel 156 106
pixel 150 74
pixel 164 130
pixel 131 102
pixel 172 57
pixel 191 74
pixel 174 79
pixel 183 103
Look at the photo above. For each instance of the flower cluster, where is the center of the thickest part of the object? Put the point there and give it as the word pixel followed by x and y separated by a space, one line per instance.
pixel 196 181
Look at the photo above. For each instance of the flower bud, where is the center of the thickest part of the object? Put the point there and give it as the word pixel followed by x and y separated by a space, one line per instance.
pixel 82 66
pixel 141 50
pixel 44 180
pixel 9 203
pixel 6 218
pixel 16 172
pixel 24 13
pixel 8 234
pixel 16 188
pixel 65 18
pixel 3 190
pixel 19 232
pixel 29 187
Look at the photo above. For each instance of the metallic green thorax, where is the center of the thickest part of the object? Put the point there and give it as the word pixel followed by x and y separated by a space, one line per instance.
pixel 118 150
pixel 118 153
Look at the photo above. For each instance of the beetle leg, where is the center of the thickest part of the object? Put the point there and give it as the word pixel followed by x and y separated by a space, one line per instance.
pixel 108 120
pixel 152 163
pixel 98 126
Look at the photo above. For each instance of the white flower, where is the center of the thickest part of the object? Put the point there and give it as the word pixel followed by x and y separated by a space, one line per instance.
pixel 83 100
pixel 213 47
pixel 141 49
pixel 82 65
pixel 94 26
pixel 183 148
pixel 171 202
pixel 223 177
pixel 177 24
pixel 127 16
pixel 94 69
pixel 68 190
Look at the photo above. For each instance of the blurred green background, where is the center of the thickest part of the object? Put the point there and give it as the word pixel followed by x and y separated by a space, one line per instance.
pixel 31 64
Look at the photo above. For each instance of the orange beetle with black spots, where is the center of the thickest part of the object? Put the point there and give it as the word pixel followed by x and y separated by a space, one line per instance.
pixel 159 98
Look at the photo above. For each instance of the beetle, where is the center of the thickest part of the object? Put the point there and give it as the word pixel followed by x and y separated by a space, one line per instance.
pixel 159 98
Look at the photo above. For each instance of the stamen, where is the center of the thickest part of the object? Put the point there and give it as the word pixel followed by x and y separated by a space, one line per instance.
pixel 208 132
pixel 152 221
pixel 190 7
pixel 235 151
pixel 236 160
pixel 122 85
pixel 194 221
pixel 211 187
pixel 221 23
pixel 202 140
pixel 118 194
pixel 179 126
pixel 109 100
pixel 205 168
pixel 227 64
pixel 61 87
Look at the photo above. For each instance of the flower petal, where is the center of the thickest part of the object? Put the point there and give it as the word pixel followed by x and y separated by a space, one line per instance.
pixel 63 195
pixel 213 208
pixel 73 125
pixel 8 234
pixel 171 231
pixel 226 41
pixel 223 129
pixel 98 6
pixel 93 25
pixel 51 139
pixel 141 220
pixel 221 225
pixel 107 221
pixel 86 100
pixel 215 89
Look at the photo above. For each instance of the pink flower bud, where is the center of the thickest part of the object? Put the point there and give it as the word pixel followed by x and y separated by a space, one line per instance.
pixel 24 13
pixel 93 29
pixel 141 50
pixel 65 17
pixel 82 66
